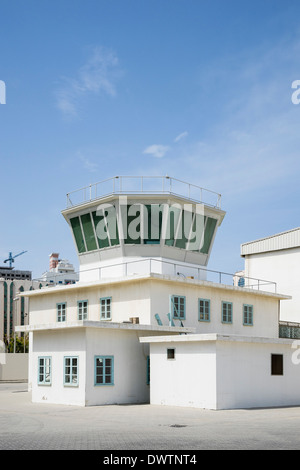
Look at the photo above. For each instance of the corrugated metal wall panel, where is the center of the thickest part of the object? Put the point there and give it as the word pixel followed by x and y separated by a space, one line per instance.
pixel 281 241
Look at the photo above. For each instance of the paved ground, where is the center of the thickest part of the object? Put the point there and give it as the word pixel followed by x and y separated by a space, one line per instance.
pixel 25 425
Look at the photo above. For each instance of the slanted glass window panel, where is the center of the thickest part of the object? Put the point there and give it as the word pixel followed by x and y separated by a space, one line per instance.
pixel 88 231
pixel 131 222
pixel 173 222
pixel 183 229
pixel 208 234
pixel 101 229
pixel 153 215
pixel 197 234
pixel 112 225
pixel 78 235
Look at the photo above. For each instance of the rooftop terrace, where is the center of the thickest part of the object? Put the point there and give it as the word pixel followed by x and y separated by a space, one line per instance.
pixel 182 272
pixel 143 185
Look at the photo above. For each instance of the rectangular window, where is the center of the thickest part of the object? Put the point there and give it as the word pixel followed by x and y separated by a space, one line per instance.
pixel 104 370
pixel 276 364
pixel 88 231
pixel 208 234
pixel 71 371
pixel 248 314
pixel 105 308
pixel 226 312
pixel 82 310
pixel 78 235
pixel 171 353
pixel 178 307
pixel 44 370
pixel 204 310
pixel 61 312
pixel 148 370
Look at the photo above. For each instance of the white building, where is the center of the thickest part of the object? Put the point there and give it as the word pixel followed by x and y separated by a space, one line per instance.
pixel 14 309
pixel 277 258
pixel 147 320
pixel 61 271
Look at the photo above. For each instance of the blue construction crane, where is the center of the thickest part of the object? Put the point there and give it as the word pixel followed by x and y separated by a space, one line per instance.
pixel 11 258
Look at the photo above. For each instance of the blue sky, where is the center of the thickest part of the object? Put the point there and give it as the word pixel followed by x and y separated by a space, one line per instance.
pixel 196 89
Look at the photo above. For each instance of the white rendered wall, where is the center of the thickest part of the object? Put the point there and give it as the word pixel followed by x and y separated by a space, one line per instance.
pixel 244 377
pixel 130 367
pixel 128 300
pixel 223 375
pixel 131 265
pixel 188 380
pixel 144 298
pixel 283 267
pixel 265 308
pixel 58 344
pixel 13 367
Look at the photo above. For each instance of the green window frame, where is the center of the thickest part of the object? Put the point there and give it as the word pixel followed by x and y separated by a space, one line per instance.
pixel 248 315
pixel 5 309
pixel 104 370
pixel 11 309
pixel 148 370
pixel 105 308
pixel 22 307
pixel 204 310
pixel 44 370
pixel 227 309
pixel 61 311
pixel 71 378
pixel 82 309
pixel 178 307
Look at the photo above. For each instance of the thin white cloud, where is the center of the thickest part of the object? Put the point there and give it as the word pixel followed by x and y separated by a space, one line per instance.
pixel 157 151
pixel 88 164
pixel 181 136
pixel 97 75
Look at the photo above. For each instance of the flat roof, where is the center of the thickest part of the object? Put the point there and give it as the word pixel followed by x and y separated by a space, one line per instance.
pixel 143 185
pixel 214 337
pixel 103 325
pixel 148 277
pixel 280 241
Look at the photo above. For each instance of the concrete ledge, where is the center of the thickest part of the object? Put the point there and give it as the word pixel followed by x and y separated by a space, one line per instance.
pixel 148 277
pixel 104 325
pixel 214 337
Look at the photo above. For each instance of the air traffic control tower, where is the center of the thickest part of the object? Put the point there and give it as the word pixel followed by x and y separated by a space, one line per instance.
pixel 130 225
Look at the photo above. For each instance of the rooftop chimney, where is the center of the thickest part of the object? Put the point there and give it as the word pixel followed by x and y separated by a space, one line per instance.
pixel 53 261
